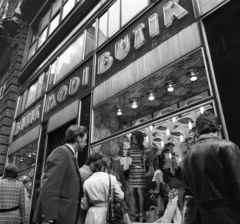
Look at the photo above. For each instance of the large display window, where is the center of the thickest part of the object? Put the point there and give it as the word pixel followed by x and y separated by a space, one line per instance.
pixel 172 88
pixel 162 111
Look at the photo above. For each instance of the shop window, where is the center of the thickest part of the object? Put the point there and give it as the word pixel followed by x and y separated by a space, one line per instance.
pixel 170 89
pixel 70 58
pixel 23 101
pixel 45 20
pixel 25 158
pixel 52 74
pixel 90 39
pixel 165 144
pixel 54 23
pixel 130 9
pixel 31 94
pixel 32 50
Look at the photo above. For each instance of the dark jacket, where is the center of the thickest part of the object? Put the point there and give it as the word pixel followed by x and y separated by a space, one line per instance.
pixel 211 169
pixel 60 193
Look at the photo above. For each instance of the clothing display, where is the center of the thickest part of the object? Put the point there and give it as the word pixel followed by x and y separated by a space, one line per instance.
pixel 137 178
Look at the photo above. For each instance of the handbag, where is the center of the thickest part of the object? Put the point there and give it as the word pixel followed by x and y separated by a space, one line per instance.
pixel 114 212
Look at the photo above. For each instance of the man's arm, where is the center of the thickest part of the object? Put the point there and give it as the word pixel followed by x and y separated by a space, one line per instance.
pixel 52 183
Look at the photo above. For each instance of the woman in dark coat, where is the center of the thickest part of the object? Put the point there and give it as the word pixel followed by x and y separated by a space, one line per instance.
pixel 12 199
pixel 211 170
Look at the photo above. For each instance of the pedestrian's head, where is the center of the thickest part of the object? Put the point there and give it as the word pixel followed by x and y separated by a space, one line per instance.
pixel 100 166
pixel 207 123
pixel 77 135
pixel 137 138
pixel 92 159
pixel 10 171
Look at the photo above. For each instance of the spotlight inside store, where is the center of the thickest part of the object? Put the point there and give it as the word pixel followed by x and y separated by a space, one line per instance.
pixel 119 112
pixel 151 96
pixel 169 85
pixel 134 104
pixel 193 74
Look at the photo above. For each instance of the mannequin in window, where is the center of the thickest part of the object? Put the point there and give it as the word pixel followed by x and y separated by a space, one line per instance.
pixel 137 178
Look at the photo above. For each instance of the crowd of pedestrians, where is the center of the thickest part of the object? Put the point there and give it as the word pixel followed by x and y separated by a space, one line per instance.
pixel 210 177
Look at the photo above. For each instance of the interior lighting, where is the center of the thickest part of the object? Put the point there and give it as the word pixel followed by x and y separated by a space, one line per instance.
pixel 170 87
pixel 151 96
pixel 151 127
pixel 190 125
pixel 202 109
pixel 162 144
pixel 147 139
pixel 21 159
pixel 134 104
pixel 170 156
pixel 167 132
pixel 174 119
pixel 29 155
pixel 119 112
pixel 181 138
pixel 193 74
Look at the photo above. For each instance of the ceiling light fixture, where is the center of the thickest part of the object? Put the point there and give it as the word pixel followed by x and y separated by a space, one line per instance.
pixel 162 144
pixel 21 159
pixel 167 132
pixel 190 125
pixel 202 109
pixel 119 112
pixel 181 138
pixel 169 85
pixel 174 119
pixel 151 127
pixel 29 155
pixel 193 74
pixel 134 104
pixel 151 95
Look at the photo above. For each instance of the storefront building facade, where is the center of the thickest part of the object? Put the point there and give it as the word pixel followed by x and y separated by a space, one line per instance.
pixel 116 67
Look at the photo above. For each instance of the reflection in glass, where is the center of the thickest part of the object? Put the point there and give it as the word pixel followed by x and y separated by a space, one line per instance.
pixel 56 5
pixel 67 8
pixel 45 19
pixel 31 94
pixel 106 120
pixel 46 74
pixel 70 58
pixel 90 38
pixel 102 32
pixel 114 18
pixel 52 74
pixel 25 157
pixel 32 50
pixel 23 101
pixel 39 86
pixel 54 24
pixel 130 9
pixel 42 38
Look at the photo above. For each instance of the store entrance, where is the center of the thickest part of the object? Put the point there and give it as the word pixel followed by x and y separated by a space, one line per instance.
pixel 57 138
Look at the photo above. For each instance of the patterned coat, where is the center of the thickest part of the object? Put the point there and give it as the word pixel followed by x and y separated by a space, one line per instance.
pixel 12 195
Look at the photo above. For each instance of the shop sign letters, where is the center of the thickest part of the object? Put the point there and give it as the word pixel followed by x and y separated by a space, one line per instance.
pixel 171 10
pixel 28 119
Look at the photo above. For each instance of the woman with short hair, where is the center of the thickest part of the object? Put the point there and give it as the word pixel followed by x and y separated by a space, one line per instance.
pixel 12 199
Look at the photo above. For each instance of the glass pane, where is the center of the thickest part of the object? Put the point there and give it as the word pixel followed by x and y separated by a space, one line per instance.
pixel 90 39
pixel 34 31
pixel 31 94
pixel 102 33
pixel 52 75
pixel 54 24
pixel 44 88
pixel 67 8
pixel 39 86
pixel 70 58
pixel 114 18
pixel 45 19
pixel 24 97
pixel 32 50
pixel 130 9
pixel 42 38
pixel 56 5
pixel 25 157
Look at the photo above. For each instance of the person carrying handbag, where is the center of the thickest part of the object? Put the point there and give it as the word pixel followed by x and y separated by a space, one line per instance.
pixel 96 194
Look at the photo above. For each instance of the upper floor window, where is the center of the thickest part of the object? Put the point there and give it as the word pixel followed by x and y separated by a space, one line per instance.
pixel 48 22
pixel 121 12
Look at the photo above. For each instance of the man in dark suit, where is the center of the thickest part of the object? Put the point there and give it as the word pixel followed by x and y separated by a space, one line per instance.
pixel 60 196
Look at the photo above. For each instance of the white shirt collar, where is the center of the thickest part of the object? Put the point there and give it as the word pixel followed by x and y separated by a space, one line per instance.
pixel 71 149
